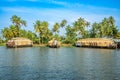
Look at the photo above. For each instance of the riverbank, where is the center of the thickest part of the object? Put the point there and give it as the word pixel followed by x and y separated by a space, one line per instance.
pixel 2 44
pixel 39 45
pixel 44 45
pixel 66 45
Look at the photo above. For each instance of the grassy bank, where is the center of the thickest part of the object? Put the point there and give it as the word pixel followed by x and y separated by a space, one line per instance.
pixel 44 45
pixel 40 45
pixel 66 45
pixel 2 44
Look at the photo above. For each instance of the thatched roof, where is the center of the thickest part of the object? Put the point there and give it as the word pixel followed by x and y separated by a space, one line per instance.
pixel 95 40
pixel 21 38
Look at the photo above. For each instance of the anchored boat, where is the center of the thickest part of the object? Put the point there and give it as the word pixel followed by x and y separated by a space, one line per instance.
pixel 97 43
pixel 54 43
pixel 19 42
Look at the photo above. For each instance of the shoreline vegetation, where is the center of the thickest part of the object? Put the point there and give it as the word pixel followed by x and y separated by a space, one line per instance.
pixel 2 44
pixel 42 34
pixel 42 45
pixel 45 45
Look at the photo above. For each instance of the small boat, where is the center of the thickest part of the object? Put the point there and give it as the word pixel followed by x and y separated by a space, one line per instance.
pixel 54 43
pixel 19 42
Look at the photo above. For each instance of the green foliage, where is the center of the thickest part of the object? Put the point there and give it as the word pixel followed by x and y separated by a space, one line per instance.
pixel 117 36
pixel 0 40
pixel 42 29
pixel 79 29
pixel 80 26
pixel 106 28
pixel 70 35
pixel 63 23
pixel 18 22
pixel 94 33
pixel 28 34
pixel 56 28
pixel 9 32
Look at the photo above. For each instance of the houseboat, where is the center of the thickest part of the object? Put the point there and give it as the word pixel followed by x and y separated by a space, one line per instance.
pixel 54 43
pixel 19 42
pixel 97 43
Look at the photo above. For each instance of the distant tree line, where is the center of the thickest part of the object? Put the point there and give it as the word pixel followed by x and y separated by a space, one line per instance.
pixel 79 29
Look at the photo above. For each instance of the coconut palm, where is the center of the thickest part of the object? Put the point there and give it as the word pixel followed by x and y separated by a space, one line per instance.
pixel 117 36
pixel 13 29
pixel 62 26
pixel 56 28
pixel 41 28
pixel 48 36
pixel 44 30
pixel 112 26
pixel 112 21
pixel 38 29
pixel 63 23
pixel 18 22
pixel 80 26
pixel 70 34
pixel 95 30
pixel 108 27
pixel 7 33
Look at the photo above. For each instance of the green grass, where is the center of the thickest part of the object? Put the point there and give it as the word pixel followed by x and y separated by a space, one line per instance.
pixel 2 44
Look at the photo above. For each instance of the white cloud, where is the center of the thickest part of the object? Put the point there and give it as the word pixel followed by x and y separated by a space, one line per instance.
pixel 71 14
pixel 11 9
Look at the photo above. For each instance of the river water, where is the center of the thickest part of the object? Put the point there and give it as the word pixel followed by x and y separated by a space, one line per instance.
pixel 64 63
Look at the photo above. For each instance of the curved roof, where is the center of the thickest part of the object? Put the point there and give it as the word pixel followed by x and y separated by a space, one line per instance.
pixel 96 40
pixel 20 38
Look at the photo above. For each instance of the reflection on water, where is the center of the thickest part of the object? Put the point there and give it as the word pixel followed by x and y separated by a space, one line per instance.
pixel 43 63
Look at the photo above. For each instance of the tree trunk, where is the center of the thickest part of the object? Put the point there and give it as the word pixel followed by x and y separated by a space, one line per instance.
pixel 39 38
pixel 18 33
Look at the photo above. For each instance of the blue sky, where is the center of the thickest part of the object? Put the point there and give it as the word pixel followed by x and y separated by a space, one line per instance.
pixel 56 10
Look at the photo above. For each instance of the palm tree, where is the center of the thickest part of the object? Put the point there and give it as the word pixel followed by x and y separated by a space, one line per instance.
pixel 37 27
pixel 95 30
pixel 56 28
pixel 111 26
pixel 18 22
pixel 107 27
pixel 62 26
pixel 48 35
pixel 117 36
pixel 10 32
pixel 41 28
pixel 112 21
pixel 14 30
pixel 70 34
pixel 63 23
pixel 80 25
pixel 44 30
pixel 7 33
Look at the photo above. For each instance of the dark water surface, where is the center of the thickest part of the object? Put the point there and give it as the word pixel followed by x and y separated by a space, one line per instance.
pixel 43 63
